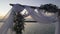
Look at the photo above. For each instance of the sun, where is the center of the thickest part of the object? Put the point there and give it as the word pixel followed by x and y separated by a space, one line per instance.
pixel 2 14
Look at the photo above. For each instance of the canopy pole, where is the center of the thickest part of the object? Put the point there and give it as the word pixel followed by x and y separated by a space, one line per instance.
pixel 25 6
pixel 57 29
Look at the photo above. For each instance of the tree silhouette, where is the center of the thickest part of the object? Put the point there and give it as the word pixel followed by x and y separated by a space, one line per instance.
pixel 19 23
pixel 49 8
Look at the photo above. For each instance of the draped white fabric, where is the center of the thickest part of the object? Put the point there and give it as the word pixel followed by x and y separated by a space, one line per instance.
pixel 57 29
pixel 40 17
pixel 9 20
pixel 17 8
pixel 26 15
pixel 7 24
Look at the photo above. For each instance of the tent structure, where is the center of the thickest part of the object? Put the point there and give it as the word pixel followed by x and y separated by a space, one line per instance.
pixel 40 16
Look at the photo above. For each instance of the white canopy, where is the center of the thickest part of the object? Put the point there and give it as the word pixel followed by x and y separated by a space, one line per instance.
pixel 39 16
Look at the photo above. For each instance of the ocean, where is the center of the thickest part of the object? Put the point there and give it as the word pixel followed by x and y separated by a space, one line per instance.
pixel 38 28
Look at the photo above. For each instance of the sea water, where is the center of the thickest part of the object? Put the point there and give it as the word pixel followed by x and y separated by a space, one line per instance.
pixel 37 28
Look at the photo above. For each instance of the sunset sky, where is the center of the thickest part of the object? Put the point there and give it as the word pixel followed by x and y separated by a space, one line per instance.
pixel 5 7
